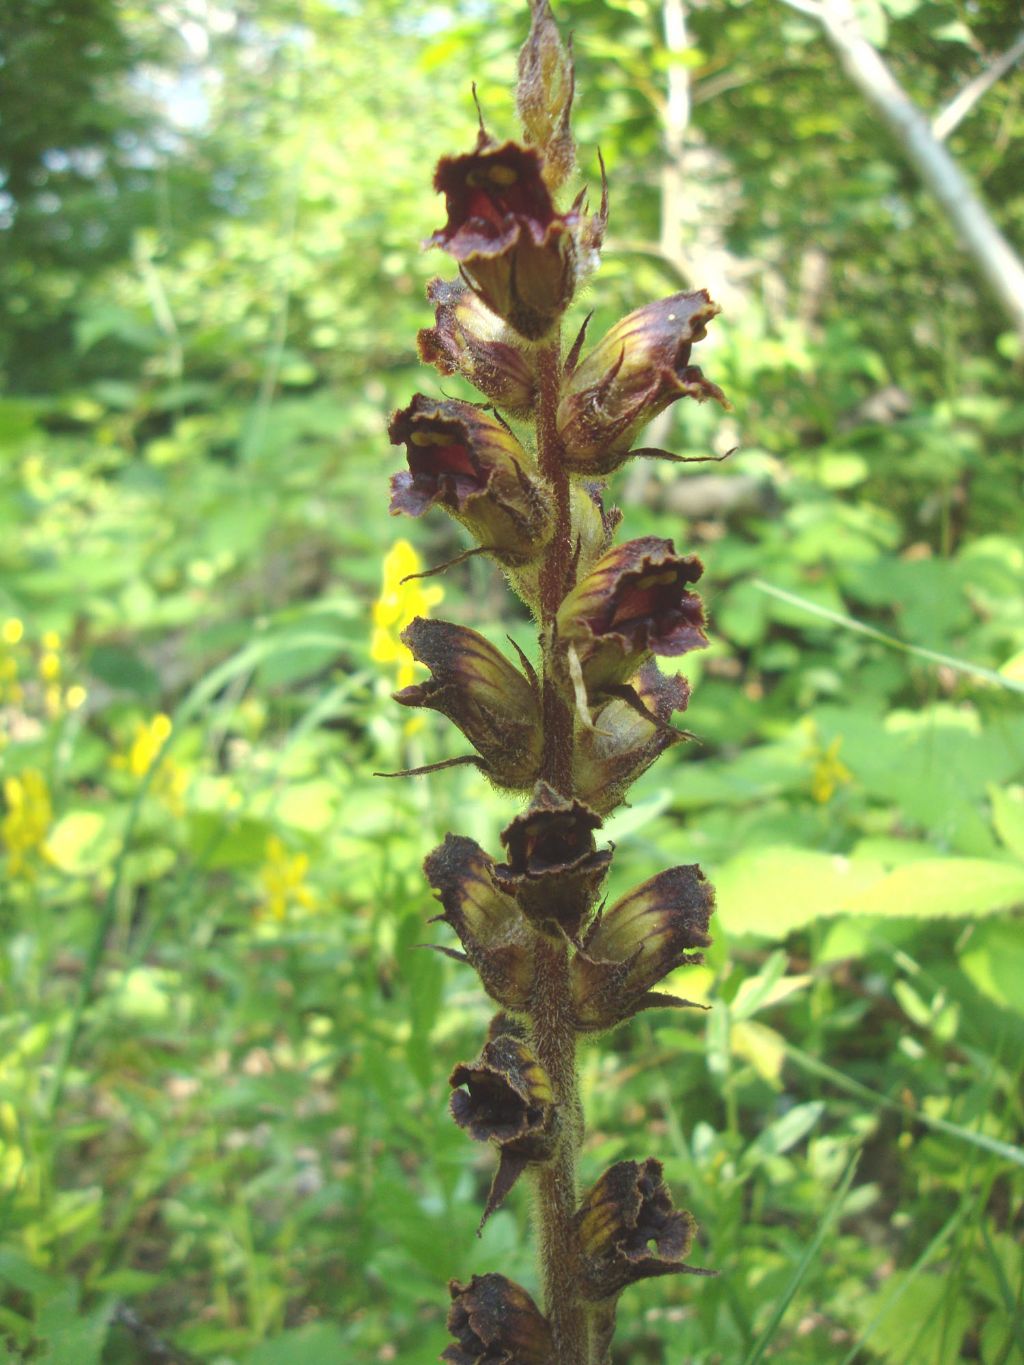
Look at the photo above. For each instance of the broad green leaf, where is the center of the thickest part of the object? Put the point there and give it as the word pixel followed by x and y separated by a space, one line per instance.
pixel 763 1047
pixel 994 961
pixel 316 1343
pixel 773 891
pixel 1008 817
pixel 770 892
pixel 943 887
pixel 82 842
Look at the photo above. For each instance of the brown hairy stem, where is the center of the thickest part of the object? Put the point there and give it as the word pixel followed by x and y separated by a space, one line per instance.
pixel 551 1025
pixel 556 573
pixel 554 1040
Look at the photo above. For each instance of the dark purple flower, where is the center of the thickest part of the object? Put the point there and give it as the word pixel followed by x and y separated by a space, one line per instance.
pixel 472 465
pixel 632 604
pixel 512 246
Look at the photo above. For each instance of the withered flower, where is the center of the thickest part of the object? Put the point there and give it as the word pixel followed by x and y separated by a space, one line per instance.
pixel 544 94
pixel 512 246
pixel 473 684
pixel 634 372
pixel 628 1209
pixel 490 926
pixel 468 339
pixel 629 732
pixel 508 1100
pixel 495 1322
pixel 474 467
pixel 634 945
pixel 554 868
pixel 632 604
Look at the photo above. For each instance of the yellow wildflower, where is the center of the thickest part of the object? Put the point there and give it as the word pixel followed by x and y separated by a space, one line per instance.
pixel 398 604
pixel 27 820
pixel 49 666
pixel 169 780
pixel 828 771
pixel 11 631
pixel 76 697
pixel 149 740
pixel 283 878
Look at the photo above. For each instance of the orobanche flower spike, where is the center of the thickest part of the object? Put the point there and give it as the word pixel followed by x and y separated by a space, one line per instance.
pixel 572 733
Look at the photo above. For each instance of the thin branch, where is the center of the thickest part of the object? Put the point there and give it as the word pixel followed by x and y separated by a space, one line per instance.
pixel 810 7
pixel 993 255
pixel 961 104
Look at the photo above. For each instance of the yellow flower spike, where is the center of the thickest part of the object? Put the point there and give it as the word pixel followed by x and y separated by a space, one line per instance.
pixel 11 631
pixel 283 879
pixel 75 697
pixel 398 604
pixel 50 641
pixel 829 772
pixel 149 740
pixel 49 666
pixel 170 780
pixel 26 822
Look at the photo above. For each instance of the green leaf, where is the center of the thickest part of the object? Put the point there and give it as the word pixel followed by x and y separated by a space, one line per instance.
pixel 124 670
pixel 785 1132
pixel 317 1343
pixel 82 842
pixel 993 959
pixel 771 892
pixel 943 887
pixel 1008 817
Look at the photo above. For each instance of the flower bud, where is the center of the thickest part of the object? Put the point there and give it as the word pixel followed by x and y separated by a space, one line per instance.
pixel 475 686
pixel 637 369
pixel 515 250
pixel 496 938
pixel 629 732
pixel 631 947
pixel 495 1322
pixel 470 340
pixel 554 869
pixel 476 469
pixel 544 94
pixel 508 1100
pixel 628 1209
pixel 632 604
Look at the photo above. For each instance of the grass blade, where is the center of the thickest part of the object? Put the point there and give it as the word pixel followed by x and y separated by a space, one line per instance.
pixel 806 1260
pixel 861 628
pixel 1006 1150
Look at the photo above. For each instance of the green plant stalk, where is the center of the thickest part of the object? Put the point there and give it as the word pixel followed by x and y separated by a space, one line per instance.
pixel 551 1024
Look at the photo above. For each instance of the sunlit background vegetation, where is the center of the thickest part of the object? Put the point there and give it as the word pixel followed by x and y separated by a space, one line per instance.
pixel 223 1066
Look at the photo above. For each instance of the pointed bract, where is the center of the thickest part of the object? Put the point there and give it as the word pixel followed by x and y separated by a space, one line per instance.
pixel 629 732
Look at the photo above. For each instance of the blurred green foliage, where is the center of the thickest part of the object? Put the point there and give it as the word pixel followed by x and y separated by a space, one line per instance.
pixel 222 1063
